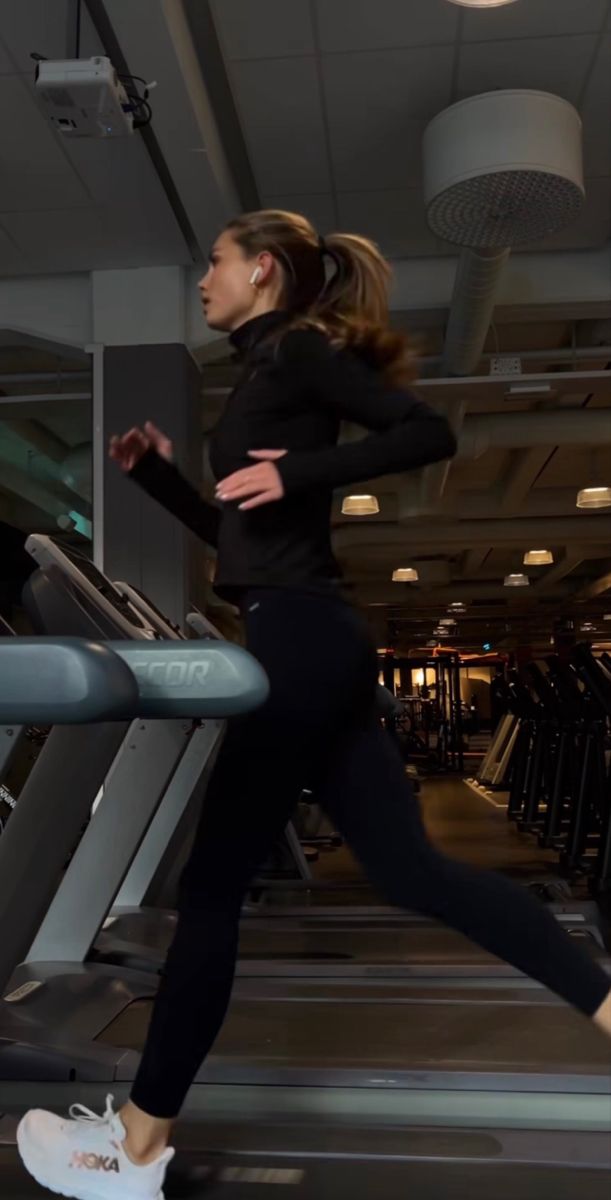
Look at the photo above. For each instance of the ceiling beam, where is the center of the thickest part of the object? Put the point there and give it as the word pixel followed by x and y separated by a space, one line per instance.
pixel 520 532
pixel 560 570
pixel 433 479
pixel 185 141
pixel 524 470
pixel 596 588
pixel 410 598
pixel 473 560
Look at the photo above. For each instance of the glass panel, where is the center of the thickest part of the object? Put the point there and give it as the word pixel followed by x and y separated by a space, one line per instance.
pixel 45 459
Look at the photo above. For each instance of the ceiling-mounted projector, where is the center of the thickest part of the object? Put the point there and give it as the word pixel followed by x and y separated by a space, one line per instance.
pixel 84 97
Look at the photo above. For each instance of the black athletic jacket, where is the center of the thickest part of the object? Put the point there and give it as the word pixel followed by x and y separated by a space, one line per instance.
pixel 292 395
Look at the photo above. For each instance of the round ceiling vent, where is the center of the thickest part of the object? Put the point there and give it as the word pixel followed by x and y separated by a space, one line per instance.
pixel 503 169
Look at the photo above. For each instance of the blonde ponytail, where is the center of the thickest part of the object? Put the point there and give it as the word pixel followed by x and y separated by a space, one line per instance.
pixel 353 307
pixel 350 305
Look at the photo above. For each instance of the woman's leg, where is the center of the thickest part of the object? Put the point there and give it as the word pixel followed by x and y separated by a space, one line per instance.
pixel 321 670
pixel 249 801
pixel 371 802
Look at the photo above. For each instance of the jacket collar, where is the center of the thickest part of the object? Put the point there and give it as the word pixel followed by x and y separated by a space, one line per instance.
pixel 248 336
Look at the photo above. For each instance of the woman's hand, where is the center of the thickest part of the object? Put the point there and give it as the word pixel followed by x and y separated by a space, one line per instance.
pixel 129 449
pixel 262 482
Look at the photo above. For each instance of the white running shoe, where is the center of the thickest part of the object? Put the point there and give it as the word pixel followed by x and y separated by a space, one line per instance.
pixel 83 1157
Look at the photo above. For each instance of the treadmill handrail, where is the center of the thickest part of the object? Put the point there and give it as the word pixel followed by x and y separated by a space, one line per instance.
pixel 62 681
pixel 192 679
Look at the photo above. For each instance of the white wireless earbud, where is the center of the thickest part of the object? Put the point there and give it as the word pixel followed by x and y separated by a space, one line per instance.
pixel 255 277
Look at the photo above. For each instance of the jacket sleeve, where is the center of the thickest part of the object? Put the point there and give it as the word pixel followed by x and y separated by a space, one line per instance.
pixel 163 481
pixel 406 432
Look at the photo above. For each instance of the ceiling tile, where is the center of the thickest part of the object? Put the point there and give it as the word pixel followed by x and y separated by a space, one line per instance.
pixel 319 209
pixel 43 26
pixel 596 113
pixel 39 173
pixel 11 257
pixel 537 18
pixel 264 28
pixel 592 229
pixel 390 82
pixel 396 220
pixel 97 238
pixel 7 66
pixel 114 167
pixel 281 113
pixel 381 148
pixel 378 105
pixel 363 25
pixel 558 65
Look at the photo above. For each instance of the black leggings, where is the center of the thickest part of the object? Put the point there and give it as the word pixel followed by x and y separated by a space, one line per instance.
pixel 318 729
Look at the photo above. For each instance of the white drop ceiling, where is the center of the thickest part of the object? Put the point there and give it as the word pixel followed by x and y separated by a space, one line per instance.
pixel 70 205
pixel 331 100
pixel 334 95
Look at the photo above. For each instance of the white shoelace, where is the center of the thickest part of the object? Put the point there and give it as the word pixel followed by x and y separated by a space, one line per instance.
pixel 85 1116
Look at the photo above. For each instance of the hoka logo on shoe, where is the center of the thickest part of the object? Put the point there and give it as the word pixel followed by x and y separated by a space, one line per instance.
pixel 94 1162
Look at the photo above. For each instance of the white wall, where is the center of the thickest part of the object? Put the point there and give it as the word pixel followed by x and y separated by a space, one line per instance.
pixel 140 307
pixel 53 306
pixel 577 277
pixel 197 332
pixel 161 304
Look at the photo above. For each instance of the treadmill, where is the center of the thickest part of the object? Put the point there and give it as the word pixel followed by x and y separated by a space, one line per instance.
pixel 12 735
pixel 342 1089
pixel 351 946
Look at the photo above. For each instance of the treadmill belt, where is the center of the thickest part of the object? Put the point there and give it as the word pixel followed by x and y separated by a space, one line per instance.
pixel 249 1178
pixel 336 1032
pixel 410 945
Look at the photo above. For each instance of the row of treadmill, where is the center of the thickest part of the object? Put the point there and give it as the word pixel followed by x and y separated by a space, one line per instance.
pixel 367 1050
pixel 552 754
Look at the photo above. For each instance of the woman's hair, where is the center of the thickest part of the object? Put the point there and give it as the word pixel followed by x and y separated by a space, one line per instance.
pixel 351 305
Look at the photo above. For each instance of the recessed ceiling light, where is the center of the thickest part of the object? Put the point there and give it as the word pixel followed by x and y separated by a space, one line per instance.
pixel 360 506
pixel 538 558
pixel 594 497
pixel 482 3
pixel 516 579
pixel 405 575
pixel 526 391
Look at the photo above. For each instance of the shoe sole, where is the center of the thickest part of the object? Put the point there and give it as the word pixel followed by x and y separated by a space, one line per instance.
pixel 35 1167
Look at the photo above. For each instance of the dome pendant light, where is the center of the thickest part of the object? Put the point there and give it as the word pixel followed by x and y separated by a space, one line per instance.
pixel 360 506
pixel 594 497
pixel 538 558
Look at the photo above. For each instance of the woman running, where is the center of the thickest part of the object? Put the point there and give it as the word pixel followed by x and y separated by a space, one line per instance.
pixel 308 320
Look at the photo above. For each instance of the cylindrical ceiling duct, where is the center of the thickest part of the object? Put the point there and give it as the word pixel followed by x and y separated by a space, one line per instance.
pixel 501 170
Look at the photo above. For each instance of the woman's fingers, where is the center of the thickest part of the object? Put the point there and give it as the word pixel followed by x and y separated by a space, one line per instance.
pixel 128 449
pixel 257 501
pixel 159 440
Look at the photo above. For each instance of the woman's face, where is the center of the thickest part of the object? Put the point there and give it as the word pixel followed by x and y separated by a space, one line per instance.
pixel 228 296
